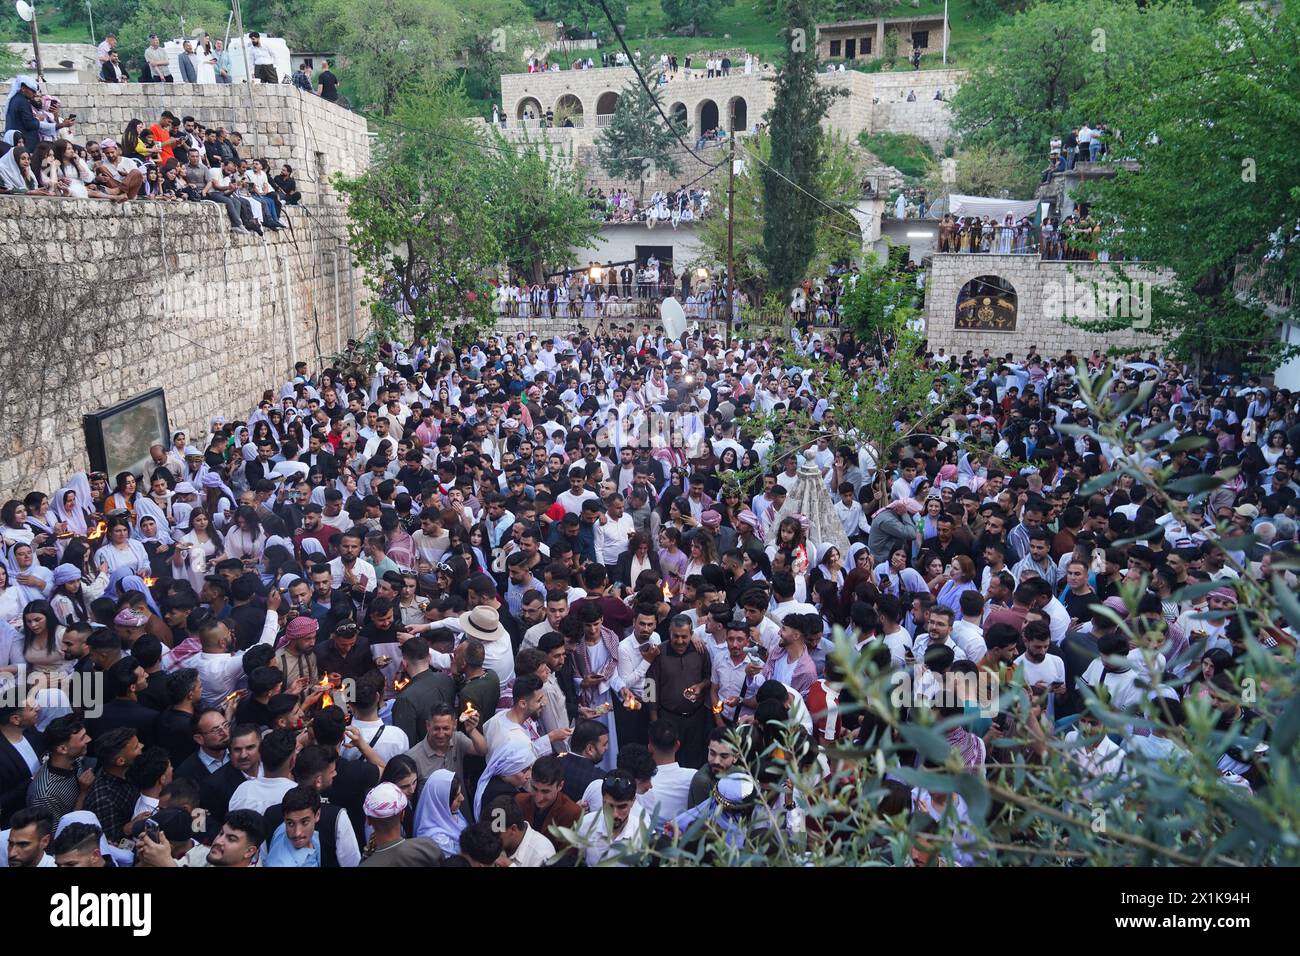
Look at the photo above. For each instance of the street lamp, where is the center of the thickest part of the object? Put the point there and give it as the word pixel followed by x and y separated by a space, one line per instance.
pixel 28 12
pixel 701 273
pixel 595 273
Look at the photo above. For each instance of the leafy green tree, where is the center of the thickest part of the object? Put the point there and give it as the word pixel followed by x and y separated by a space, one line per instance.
pixel 1025 84
pixel 421 223
pixel 983 170
pixel 792 206
pixel 389 45
pixel 835 239
pixel 580 16
pixel 538 206
pixel 492 35
pixel 690 13
pixel 1208 115
pixel 638 141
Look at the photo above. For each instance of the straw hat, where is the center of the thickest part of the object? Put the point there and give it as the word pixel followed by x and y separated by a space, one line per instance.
pixel 483 623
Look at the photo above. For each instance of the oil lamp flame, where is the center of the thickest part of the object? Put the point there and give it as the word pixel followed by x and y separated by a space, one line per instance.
pixel 100 530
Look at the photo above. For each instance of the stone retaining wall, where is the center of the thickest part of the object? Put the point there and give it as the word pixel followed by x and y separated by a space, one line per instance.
pixel 1033 279
pixel 118 299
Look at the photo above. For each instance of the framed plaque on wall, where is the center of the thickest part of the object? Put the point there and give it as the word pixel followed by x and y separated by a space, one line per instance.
pixel 118 438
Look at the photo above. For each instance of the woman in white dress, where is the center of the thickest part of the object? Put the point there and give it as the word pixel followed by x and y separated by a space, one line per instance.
pixel 562 300
pixel 121 551
pixel 198 549
pixel 246 540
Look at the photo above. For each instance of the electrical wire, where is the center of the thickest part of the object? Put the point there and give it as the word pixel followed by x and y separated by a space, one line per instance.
pixel 856 233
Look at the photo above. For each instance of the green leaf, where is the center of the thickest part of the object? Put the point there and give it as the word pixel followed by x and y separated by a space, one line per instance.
pixel 1099 483
pixel 929 743
pixel 1195 484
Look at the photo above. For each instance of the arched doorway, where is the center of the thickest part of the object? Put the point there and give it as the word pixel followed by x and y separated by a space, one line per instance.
pixel 706 117
pixel 986 304
pixel 739 115
pixel 529 109
pixel 568 111
pixel 606 106
pixel 680 116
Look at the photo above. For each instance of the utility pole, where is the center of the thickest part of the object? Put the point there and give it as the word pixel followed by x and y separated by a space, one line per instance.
pixel 36 46
pixel 731 222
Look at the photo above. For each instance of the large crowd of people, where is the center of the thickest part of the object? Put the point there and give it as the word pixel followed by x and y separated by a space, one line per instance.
pixel 449 607
pixel 172 159
pixel 672 207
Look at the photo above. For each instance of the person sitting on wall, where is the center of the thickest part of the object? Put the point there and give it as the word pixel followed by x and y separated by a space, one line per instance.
pixel 286 187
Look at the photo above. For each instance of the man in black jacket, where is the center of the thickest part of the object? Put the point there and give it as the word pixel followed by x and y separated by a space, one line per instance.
pixel 21 749
pixel 427 687
pixel 121 685
pixel 112 70
pixel 245 758
pixel 211 736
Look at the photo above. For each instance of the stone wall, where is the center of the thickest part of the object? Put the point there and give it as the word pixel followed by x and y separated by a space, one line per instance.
pixel 147 294
pixel 1033 280
pixel 875 101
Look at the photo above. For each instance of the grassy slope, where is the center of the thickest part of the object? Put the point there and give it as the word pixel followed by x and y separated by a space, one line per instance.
pixel 740 25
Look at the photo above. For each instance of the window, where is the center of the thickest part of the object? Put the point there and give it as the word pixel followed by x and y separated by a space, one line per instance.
pixel 921 38
pixel 835 48
pixel 864 46
pixel 850 49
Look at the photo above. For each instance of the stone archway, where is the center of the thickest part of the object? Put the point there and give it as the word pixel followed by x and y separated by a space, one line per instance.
pixel 738 111
pixel 678 113
pixel 606 106
pixel 529 109
pixel 986 304
pixel 568 111
pixel 706 117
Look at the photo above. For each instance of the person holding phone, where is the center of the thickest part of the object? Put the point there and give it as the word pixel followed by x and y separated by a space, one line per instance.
pixel 1044 673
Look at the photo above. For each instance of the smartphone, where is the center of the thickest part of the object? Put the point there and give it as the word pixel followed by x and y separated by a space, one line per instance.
pixel 152 830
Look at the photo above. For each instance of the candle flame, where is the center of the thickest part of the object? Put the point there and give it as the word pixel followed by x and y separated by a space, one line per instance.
pixel 100 530
pixel 399 683
pixel 717 708
pixel 149 582
pixel 327 701
pixel 668 594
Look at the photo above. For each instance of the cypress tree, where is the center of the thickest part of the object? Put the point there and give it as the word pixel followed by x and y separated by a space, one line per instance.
pixel 798 107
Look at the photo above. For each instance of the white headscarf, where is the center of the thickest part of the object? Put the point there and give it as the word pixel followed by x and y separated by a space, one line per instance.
pixel 433 816
pixel 511 758
pixel 75 519
pixel 146 508
pixel 11 174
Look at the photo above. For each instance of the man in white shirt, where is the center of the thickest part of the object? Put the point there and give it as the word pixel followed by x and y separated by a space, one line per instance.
pixel 518 725
pixel 384 739
pixel 523 845
pixel 349 567
pixel 263 61
pixel 219 670
pixel 636 653
pixel 619 824
pixel 571 500
pixel 278 750
pixel 612 531
pixel 967 631
pixel 1044 673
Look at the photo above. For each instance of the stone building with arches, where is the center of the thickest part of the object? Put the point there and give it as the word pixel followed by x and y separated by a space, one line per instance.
pixel 581 102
